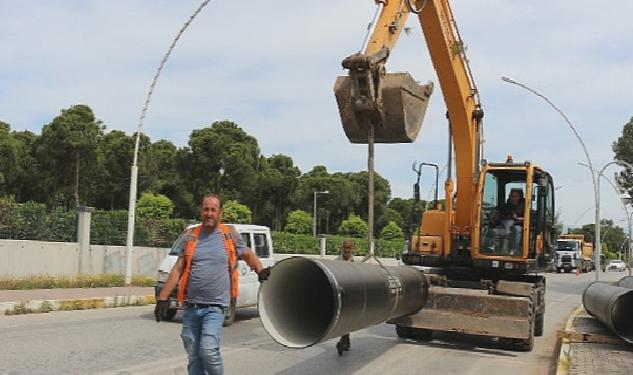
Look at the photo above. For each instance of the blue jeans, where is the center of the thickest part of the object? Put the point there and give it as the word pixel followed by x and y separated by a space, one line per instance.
pixel 201 328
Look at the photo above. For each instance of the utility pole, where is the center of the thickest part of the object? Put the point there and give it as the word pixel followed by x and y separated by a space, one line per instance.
pixel 314 207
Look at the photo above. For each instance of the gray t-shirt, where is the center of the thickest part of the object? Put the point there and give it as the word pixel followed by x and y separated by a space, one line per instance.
pixel 209 280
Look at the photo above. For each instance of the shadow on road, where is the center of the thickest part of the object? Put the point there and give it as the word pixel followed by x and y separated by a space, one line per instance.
pixel 462 342
pixel 468 343
pixel 364 350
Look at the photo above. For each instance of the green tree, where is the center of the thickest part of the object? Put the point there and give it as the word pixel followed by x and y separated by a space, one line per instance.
pixel 299 222
pixel 8 158
pixel 354 226
pixel 223 159
pixel 237 213
pixel 623 149
pixel 8 217
pixel 154 207
pixel 68 148
pixel 333 207
pixel 382 193
pixel 116 152
pixel 28 184
pixel 161 162
pixel 277 180
pixel 391 231
pixel 389 215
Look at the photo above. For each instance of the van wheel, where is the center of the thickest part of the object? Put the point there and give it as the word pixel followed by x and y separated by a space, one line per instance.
pixel 229 315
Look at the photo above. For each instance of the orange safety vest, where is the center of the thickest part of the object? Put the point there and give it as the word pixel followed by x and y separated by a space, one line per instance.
pixel 190 249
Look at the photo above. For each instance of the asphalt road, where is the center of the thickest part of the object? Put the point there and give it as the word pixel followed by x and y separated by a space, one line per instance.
pixel 129 341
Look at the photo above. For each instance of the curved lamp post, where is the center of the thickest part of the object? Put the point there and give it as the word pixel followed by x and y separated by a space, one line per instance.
pixel 584 148
pixel 129 242
pixel 597 233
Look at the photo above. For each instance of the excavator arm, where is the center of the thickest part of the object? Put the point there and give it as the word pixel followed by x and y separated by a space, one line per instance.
pixel 395 103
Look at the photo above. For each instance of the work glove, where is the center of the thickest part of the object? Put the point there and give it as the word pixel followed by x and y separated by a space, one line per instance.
pixel 162 306
pixel 263 274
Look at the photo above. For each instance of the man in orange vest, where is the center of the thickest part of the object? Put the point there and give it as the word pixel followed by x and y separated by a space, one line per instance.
pixel 206 276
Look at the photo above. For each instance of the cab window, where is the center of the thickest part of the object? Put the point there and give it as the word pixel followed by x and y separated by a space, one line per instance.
pixel 261 245
pixel 246 239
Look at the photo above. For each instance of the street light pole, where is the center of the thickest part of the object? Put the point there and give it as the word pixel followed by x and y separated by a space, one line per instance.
pixel 601 174
pixel 596 187
pixel 597 229
pixel 129 243
pixel 314 216
pixel 630 247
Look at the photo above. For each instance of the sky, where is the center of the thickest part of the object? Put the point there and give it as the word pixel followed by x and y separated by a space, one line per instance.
pixel 271 67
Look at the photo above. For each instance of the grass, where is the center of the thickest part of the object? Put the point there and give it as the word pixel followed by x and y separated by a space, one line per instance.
pixel 80 281
pixel 45 307
pixel 19 309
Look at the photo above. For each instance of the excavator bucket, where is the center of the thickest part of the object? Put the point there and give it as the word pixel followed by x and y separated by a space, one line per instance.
pixel 399 115
pixel 473 312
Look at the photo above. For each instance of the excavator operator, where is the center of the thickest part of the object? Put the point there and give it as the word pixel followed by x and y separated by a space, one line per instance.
pixel 512 210
pixel 508 219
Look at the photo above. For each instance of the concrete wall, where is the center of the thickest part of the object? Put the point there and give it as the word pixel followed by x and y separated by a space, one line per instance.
pixel 20 258
pixel 25 258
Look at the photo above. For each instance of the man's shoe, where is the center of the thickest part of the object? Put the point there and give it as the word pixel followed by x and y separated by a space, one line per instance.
pixel 340 348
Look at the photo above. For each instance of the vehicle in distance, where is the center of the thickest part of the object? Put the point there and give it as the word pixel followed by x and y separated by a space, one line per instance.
pixel 616 265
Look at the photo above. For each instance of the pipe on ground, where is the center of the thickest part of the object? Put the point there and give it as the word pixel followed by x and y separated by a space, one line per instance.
pixel 626 282
pixel 306 301
pixel 612 305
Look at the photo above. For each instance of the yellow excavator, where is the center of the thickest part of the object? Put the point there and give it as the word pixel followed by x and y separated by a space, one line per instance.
pixel 484 248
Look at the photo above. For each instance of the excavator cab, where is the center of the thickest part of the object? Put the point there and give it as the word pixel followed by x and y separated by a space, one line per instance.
pixel 516 218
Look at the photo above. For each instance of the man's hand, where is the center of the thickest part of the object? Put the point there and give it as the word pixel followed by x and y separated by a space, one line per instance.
pixel 162 306
pixel 263 274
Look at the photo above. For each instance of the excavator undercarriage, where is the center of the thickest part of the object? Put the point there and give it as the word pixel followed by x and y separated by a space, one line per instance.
pixel 510 310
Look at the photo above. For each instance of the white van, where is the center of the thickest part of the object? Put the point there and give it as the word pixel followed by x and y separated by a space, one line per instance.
pixel 257 238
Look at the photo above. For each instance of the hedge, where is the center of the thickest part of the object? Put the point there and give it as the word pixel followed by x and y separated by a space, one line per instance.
pixel 288 243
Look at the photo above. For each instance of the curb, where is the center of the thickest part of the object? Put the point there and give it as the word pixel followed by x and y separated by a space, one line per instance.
pixel 564 358
pixel 44 306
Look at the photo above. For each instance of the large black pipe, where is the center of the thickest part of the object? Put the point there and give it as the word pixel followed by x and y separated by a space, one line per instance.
pixel 626 282
pixel 306 301
pixel 612 305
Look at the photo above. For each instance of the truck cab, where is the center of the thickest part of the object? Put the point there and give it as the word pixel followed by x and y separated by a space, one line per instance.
pixel 257 238
pixel 568 255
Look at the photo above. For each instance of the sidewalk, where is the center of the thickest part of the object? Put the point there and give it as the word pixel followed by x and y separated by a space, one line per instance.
pixel 589 347
pixel 14 302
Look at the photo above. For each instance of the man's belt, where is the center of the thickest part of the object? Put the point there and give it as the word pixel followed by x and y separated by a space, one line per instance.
pixel 202 305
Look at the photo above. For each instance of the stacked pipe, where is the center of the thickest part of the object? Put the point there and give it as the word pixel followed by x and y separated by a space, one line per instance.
pixel 626 282
pixel 306 301
pixel 612 304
